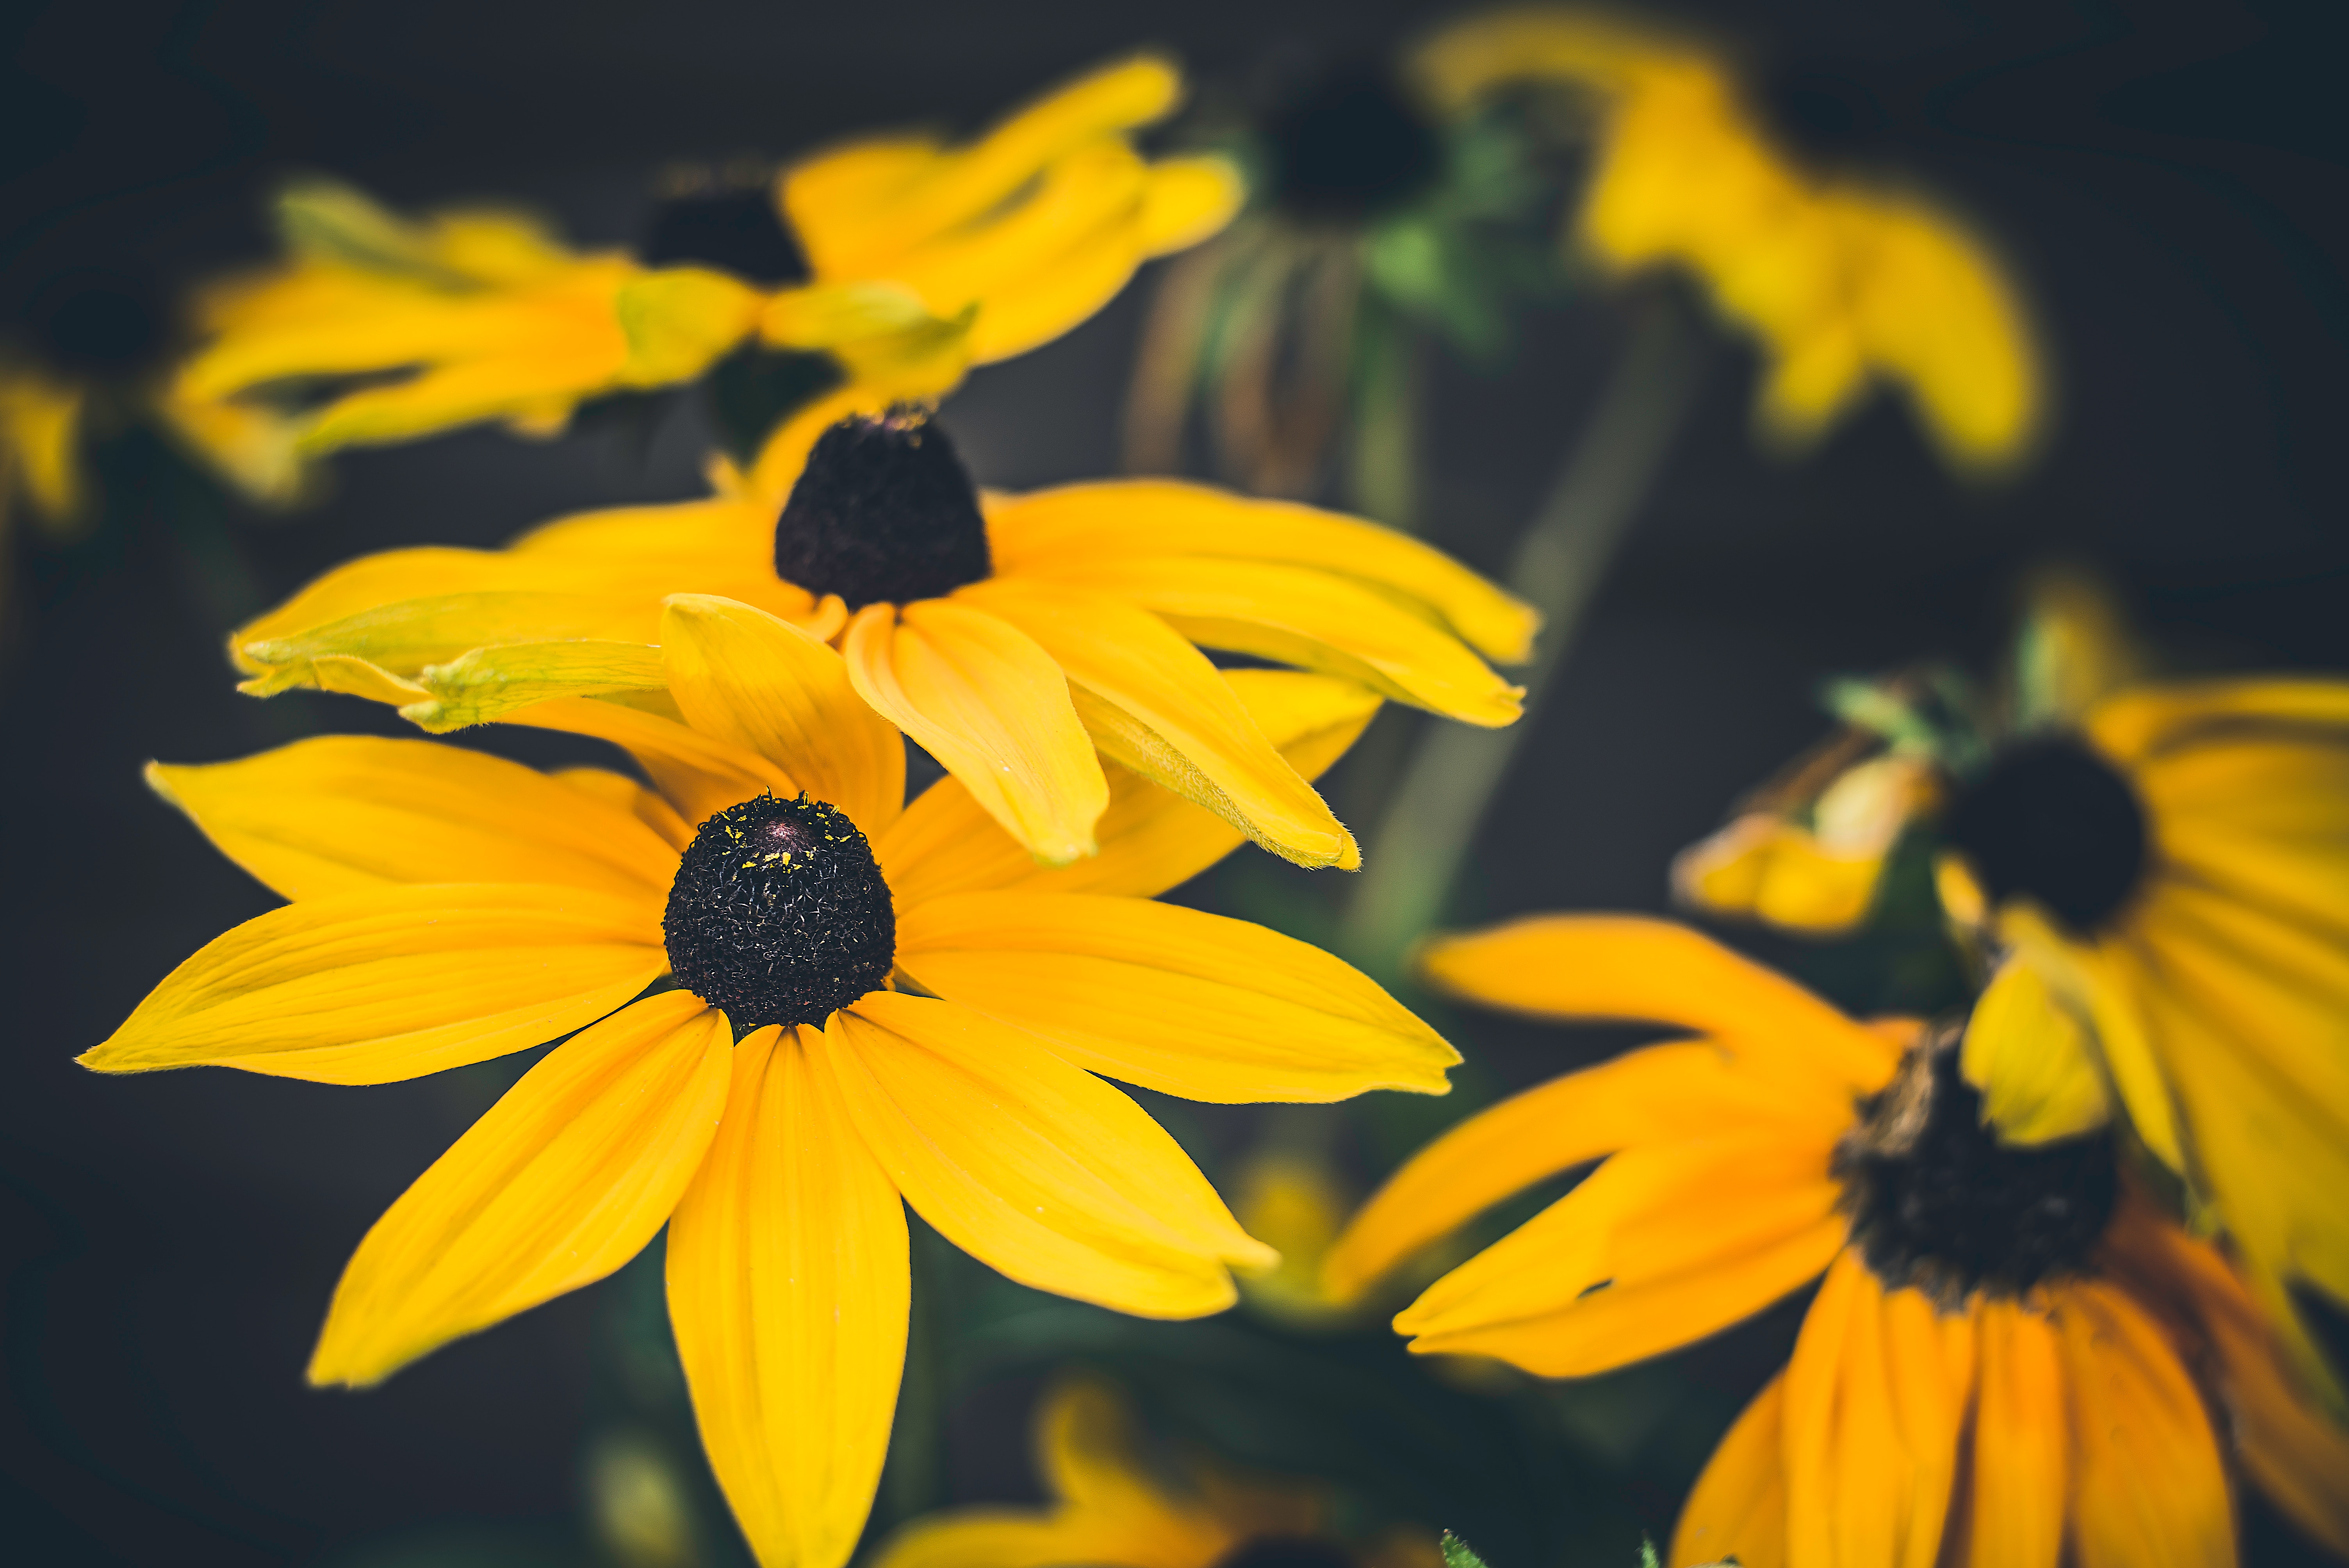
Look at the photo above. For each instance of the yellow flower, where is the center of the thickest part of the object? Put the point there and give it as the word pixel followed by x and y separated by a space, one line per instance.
pixel 2169 883
pixel 1009 639
pixel 2002 1365
pixel 1810 864
pixel 1843 283
pixel 40 430
pixel 924 1012
pixel 919 259
pixel 1113 1508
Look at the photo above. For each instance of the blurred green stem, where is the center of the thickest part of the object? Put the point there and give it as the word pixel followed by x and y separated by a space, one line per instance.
pixel 1431 818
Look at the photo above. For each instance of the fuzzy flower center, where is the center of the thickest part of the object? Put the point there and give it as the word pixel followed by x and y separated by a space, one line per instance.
pixel 779 914
pixel 884 512
pixel 724 219
pixel 1938 1202
pixel 1347 145
pixel 1284 1551
pixel 2052 818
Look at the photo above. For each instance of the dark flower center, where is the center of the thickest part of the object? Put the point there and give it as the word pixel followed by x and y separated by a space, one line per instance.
pixel 779 914
pixel 1938 1202
pixel 884 512
pixel 96 324
pixel 2052 818
pixel 1347 144
pixel 1284 1551
pixel 727 220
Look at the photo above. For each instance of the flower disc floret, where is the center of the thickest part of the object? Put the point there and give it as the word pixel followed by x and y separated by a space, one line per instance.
pixel 883 512
pixel 1938 1202
pixel 779 914
pixel 2054 821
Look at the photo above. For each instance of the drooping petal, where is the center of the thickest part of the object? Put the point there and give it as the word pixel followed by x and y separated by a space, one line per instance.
pixel 1592 967
pixel 404 637
pixel 393 983
pixel 1151 839
pixel 980 696
pixel 2016 1517
pixel 1154 703
pixel 1173 999
pixel 788 1289
pixel 1662 1245
pixel 2147 1488
pixel 1306 616
pixel 700 775
pixel 482 685
pixel 769 687
pixel 1129 518
pixel 1648 1096
pixel 339 814
pixel 1738 1509
pixel 566 1178
pixel 1032 1165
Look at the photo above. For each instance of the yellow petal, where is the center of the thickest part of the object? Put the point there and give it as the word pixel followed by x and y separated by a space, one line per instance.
pixel 394 983
pixel 617 789
pixel 764 685
pixel 980 696
pixel 2147 1488
pixel 1187 200
pixel 1171 998
pixel 483 685
pixel 1159 707
pixel 1034 1167
pixel 1738 1507
pixel 700 775
pixel 1085 525
pixel 40 445
pixel 1763 867
pixel 1150 837
pixel 339 814
pixel 566 1178
pixel 1660 1247
pixel 1590 966
pixel 2136 722
pixel 1646 1096
pixel 2030 1055
pixel 406 636
pixel 788 1290
pixel 678 320
pixel 2017 1505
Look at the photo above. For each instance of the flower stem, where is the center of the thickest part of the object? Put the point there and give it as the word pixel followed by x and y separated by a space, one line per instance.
pixel 1432 814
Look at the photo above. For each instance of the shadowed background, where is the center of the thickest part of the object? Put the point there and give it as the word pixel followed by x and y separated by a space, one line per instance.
pixel 2170 181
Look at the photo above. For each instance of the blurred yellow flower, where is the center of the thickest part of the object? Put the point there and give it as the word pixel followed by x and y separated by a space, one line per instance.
pixel 1845 282
pixel 926 1017
pixel 1113 1508
pixel 40 460
pixel 2013 1361
pixel 917 259
pixel 1810 864
pixel 1011 637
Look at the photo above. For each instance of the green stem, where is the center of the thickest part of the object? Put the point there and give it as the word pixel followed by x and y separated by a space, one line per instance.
pixel 1430 819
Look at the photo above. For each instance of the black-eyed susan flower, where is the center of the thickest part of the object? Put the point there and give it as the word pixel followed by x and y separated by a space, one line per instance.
pixel 1117 1504
pixel 921 1013
pixel 2012 1359
pixel 903 258
pixel 1845 282
pixel 1009 636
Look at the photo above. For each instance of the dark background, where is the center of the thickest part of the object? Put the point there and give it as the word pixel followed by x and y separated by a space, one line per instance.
pixel 2171 181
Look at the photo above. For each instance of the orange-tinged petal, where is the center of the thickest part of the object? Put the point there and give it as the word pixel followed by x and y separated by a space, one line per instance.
pixel 980 696
pixel 769 687
pixel 788 1289
pixel 2144 719
pixel 566 1178
pixel 1307 616
pixel 339 814
pixel 1151 839
pixel 1661 1246
pixel 1154 703
pixel 1032 1165
pixel 1647 1096
pixel 2147 1487
pixel 2016 1512
pixel 394 983
pixel 1112 520
pixel 1738 1507
pixel 700 775
pixel 1173 999
pixel 1590 966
